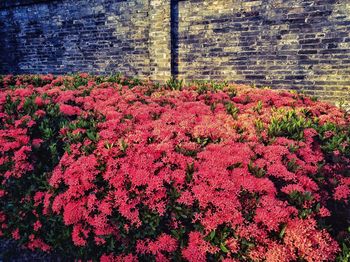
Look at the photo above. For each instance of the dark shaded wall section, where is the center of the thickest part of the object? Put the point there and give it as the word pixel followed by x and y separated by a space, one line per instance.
pixel 291 44
pixel 63 36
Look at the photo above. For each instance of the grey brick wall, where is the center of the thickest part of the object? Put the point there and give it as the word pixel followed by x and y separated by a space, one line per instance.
pixel 288 44
pixel 291 44
pixel 97 36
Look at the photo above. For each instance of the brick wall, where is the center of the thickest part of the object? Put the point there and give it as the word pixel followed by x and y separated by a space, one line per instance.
pixel 293 44
pixel 97 36
pixel 288 44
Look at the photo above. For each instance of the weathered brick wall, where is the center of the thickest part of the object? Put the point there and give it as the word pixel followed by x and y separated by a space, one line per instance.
pixel 293 44
pixel 298 44
pixel 98 36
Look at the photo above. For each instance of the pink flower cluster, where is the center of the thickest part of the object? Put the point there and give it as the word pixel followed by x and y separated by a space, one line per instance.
pixel 186 159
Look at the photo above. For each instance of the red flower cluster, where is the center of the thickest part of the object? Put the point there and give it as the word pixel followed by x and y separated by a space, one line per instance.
pixel 152 173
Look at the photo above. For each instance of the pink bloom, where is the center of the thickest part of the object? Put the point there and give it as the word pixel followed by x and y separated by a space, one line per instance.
pixel 197 248
pixel 37 142
pixel 342 192
pixel 15 234
pixel 232 244
pixel 39 101
pixel 40 113
pixel 74 212
pixel 324 212
pixel 37 225
pixel 37 243
pixel 69 110
pixel 310 243
pixel 2 193
pixel 79 235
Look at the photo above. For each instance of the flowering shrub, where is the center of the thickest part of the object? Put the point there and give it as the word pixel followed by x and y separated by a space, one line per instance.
pixel 112 169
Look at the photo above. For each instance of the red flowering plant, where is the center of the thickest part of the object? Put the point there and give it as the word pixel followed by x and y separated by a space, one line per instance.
pixel 112 169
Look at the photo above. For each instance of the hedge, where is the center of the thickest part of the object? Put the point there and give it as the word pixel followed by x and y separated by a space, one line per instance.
pixel 114 169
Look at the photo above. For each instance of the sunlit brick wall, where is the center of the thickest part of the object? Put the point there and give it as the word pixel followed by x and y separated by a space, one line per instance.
pixel 293 44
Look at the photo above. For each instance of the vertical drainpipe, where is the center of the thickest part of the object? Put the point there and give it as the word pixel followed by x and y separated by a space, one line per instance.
pixel 174 31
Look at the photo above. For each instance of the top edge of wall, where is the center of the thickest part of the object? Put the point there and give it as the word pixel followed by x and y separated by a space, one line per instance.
pixel 7 4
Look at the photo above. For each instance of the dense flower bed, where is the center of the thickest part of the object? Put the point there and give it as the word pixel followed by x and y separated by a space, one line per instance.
pixel 108 168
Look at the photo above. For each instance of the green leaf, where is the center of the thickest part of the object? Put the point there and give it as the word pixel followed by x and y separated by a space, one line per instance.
pixel 282 231
pixel 223 248
pixel 212 235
